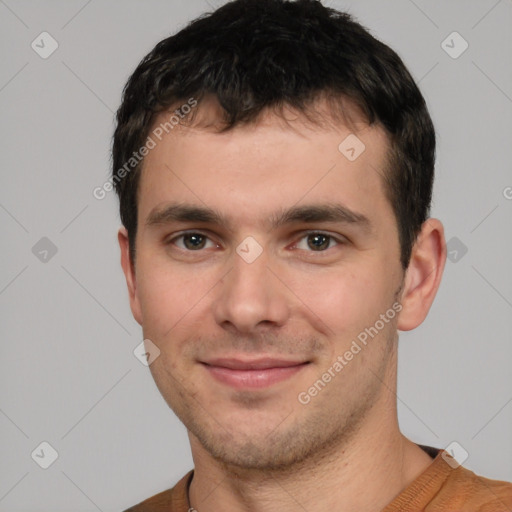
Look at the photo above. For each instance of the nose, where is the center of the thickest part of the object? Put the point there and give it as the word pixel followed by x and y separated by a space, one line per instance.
pixel 251 296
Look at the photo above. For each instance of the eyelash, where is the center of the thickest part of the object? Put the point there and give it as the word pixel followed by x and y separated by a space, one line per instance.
pixel 338 240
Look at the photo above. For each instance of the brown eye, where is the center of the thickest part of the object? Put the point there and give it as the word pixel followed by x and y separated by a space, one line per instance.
pixel 318 241
pixel 192 241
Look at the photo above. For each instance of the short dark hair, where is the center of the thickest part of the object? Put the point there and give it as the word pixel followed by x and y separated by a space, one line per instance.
pixel 254 55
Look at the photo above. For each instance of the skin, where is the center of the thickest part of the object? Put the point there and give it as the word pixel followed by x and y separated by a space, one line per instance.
pixel 261 449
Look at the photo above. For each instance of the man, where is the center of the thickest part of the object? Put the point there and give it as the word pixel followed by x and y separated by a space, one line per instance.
pixel 274 164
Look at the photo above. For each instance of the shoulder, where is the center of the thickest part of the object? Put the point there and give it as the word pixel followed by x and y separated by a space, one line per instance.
pixel 464 491
pixel 171 500
pixel 159 502
pixel 445 486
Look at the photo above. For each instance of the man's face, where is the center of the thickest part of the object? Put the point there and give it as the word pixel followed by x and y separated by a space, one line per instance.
pixel 251 307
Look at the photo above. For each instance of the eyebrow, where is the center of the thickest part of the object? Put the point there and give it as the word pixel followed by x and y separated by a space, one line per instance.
pixel 314 213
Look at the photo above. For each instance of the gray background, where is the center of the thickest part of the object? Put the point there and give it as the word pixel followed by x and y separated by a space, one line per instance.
pixel 68 373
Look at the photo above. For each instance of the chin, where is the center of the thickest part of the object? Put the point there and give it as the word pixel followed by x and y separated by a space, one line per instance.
pixel 262 455
pixel 284 446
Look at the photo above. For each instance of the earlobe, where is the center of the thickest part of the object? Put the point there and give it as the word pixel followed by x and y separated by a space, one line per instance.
pixel 423 275
pixel 129 273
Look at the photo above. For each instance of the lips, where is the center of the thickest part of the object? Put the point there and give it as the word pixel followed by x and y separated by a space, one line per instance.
pixel 256 364
pixel 256 373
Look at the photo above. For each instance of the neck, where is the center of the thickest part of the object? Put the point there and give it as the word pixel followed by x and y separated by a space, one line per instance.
pixel 365 474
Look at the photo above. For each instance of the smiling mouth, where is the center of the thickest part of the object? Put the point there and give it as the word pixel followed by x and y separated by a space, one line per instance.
pixel 255 374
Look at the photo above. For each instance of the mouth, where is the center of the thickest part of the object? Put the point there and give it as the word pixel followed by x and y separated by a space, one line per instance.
pixel 253 374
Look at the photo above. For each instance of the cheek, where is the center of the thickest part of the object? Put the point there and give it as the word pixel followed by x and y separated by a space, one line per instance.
pixel 169 297
pixel 342 303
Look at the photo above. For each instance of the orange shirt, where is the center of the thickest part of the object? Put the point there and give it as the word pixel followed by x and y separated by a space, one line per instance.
pixel 440 488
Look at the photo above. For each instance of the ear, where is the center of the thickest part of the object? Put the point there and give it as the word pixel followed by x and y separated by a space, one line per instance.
pixel 129 274
pixel 423 275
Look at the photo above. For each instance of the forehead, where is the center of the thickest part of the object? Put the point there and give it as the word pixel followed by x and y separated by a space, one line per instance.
pixel 278 161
